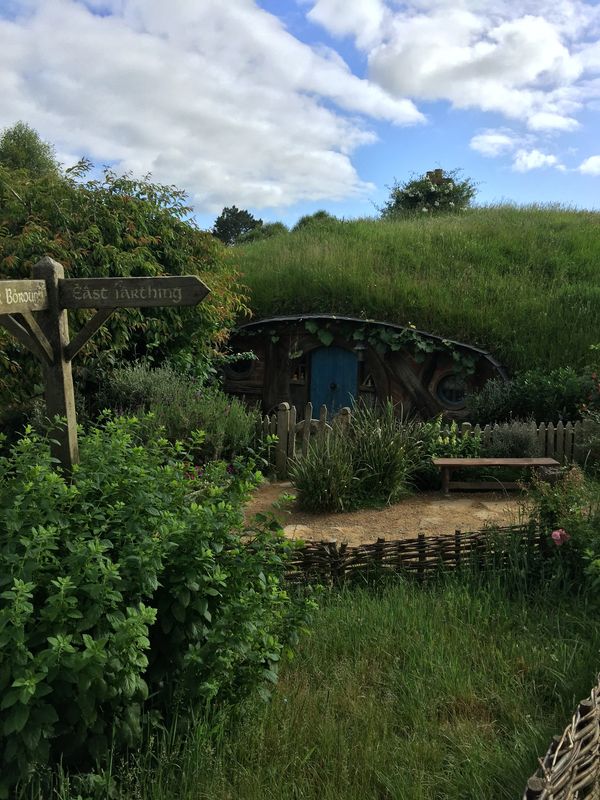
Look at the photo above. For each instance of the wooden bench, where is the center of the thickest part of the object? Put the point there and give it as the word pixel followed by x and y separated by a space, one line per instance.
pixel 448 464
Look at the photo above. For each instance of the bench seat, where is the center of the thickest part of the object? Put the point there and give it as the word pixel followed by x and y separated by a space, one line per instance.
pixel 448 464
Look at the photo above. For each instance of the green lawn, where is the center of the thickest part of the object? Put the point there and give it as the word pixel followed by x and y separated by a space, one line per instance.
pixel 521 282
pixel 406 694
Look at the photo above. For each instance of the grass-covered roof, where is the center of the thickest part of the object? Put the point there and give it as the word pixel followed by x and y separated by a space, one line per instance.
pixel 523 283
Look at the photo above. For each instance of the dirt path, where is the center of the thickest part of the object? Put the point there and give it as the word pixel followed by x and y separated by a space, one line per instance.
pixel 426 512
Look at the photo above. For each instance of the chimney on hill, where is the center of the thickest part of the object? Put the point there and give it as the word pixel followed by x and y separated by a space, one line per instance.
pixel 436 176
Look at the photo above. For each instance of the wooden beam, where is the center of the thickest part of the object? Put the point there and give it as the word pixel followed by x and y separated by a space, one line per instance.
pixel 22 334
pixel 38 334
pixel 88 330
pixel 60 398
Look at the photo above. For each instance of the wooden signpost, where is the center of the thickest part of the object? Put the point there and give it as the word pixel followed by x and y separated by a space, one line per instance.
pixel 46 334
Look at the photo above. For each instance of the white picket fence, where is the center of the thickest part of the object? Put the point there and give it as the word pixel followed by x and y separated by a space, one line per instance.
pixel 562 441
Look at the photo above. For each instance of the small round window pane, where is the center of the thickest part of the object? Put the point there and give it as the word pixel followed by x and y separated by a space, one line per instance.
pixel 241 368
pixel 451 390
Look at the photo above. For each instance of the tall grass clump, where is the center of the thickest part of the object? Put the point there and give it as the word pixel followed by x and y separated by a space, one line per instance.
pixel 520 282
pixel 370 462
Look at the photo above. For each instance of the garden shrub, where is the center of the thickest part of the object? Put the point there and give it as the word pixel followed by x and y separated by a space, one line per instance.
pixel 125 589
pixel 180 405
pixel 436 192
pixel 512 440
pixel 569 513
pixel 443 440
pixel 371 462
pixel 591 443
pixel 550 396
pixel 324 478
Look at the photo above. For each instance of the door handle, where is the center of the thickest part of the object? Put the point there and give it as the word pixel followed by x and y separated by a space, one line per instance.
pixel 333 386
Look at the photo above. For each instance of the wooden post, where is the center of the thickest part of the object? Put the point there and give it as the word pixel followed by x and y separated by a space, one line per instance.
pixel 281 456
pixel 422 551
pixel 60 398
pixel 306 428
pixel 457 548
pixel 291 449
pixel 446 480
pixel 344 418
pixel 47 336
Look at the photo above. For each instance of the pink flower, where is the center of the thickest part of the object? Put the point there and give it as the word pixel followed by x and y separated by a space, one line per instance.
pixel 560 536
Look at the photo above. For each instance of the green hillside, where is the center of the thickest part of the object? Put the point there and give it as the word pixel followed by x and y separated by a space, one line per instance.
pixel 522 282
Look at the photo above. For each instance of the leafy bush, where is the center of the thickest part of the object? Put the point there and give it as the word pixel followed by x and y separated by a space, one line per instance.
pixel 443 440
pixel 513 440
pixel 437 191
pixel 127 582
pixel 569 513
pixel 369 463
pixel 319 219
pixel 265 231
pixel 113 226
pixel 591 442
pixel 180 405
pixel 550 396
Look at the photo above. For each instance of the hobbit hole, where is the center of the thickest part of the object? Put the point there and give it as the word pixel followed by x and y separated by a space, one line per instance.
pixel 335 361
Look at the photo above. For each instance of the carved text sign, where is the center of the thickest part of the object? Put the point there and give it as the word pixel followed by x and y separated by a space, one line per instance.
pixel 130 292
pixel 46 334
pixel 19 296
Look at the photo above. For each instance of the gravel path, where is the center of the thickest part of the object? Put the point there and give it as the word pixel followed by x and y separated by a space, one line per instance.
pixel 426 512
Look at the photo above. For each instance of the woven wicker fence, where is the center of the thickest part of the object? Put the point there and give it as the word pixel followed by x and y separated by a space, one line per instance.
pixel 333 564
pixel 570 770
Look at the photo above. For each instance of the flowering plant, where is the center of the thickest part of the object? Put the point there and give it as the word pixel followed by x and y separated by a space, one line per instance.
pixel 559 536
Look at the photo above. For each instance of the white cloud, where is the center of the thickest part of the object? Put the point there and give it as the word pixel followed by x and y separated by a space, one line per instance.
pixel 548 121
pixel 591 166
pixel 361 18
pixel 526 160
pixel 530 61
pixel 493 143
pixel 215 97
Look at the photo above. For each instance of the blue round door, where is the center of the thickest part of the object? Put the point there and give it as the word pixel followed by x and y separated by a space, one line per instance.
pixel 333 378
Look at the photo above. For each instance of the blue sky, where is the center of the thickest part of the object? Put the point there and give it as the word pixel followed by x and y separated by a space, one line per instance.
pixel 284 107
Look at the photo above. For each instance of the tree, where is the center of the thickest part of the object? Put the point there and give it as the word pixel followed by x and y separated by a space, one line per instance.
pixel 22 148
pixel 435 192
pixel 111 227
pixel 232 223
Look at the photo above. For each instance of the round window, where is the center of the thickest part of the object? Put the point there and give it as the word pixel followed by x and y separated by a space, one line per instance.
pixel 240 369
pixel 451 390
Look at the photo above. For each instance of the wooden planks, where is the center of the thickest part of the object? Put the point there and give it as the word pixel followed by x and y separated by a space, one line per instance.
pixel 495 462
pixel 448 464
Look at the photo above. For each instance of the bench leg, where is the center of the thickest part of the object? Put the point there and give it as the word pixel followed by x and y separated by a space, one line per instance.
pixel 446 480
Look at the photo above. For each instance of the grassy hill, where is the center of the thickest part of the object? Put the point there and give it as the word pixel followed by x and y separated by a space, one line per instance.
pixel 522 282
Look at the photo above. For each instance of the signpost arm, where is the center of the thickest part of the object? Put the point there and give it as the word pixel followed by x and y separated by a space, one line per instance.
pixel 25 337
pixel 88 330
pixel 60 399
